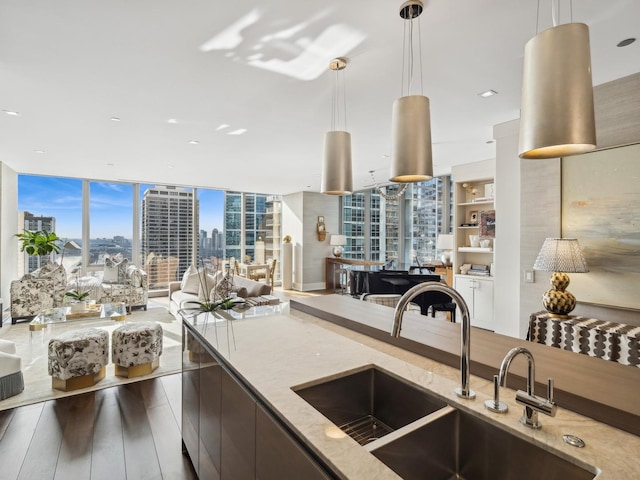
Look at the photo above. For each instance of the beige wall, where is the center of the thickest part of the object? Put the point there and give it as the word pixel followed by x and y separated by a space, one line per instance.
pixel 618 122
pixel 300 213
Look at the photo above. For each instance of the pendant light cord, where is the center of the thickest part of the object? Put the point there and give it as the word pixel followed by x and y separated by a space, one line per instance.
pixel 335 101
pixel 555 13
pixel 408 55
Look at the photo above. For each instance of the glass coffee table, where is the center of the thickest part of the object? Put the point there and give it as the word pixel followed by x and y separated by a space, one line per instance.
pixel 116 312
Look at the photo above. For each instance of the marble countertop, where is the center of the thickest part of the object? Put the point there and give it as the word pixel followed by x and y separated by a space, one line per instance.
pixel 276 353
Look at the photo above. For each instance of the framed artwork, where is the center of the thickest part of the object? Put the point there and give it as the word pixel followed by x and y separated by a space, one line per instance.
pixel 473 217
pixel 487 224
pixel 600 205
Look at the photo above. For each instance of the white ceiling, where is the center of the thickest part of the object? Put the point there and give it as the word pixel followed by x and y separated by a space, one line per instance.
pixel 69 66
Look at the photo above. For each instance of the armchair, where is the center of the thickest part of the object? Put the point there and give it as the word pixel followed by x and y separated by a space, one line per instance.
pixel 44 288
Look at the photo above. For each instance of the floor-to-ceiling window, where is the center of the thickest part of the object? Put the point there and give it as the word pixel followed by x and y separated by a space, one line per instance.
pixel 111 225
pixel 397 226
pixel 52 204
pixel 168 226
pixel 210 221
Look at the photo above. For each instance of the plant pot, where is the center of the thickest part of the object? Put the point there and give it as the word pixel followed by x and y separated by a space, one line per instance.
pixel 80 306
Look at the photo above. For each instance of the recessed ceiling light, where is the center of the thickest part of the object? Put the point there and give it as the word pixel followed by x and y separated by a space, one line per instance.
pixel 488 93
pixel 239 131
pixel 11 112
pixel 115 119
pixel 222 127
pixel 38 151
pixel 626 41
pixel 170 166
pixel 172 120
pixel 194 142
pixel 489 141
pixel 111 164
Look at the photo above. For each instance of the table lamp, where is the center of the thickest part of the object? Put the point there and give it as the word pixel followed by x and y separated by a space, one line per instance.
pixel 560 256
pixel 445 243
pixel 337 242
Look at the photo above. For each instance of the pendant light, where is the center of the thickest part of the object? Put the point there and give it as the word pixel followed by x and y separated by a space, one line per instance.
pixel 557 117
pixel 411 159
pixel 337 178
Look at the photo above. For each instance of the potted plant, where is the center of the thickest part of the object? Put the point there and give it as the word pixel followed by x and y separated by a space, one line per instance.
pixel 80 304
pixel 39 242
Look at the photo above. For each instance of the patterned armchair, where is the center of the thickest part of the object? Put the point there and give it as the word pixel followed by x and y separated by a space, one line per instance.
pixel 132 289
pixel 44 288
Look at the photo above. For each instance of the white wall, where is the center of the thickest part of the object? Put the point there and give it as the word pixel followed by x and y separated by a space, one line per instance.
pixel 506 291
pixel 8 228
pixel 300 213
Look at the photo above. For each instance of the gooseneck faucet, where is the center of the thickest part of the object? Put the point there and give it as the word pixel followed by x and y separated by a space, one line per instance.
pixel 465 339
pixel 532 403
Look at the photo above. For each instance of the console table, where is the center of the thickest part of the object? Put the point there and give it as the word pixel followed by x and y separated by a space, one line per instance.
pixel 332 262
pixel 616 342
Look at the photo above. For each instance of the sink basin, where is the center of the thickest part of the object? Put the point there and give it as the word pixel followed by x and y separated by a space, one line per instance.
pixel 370 403
pixel 457 445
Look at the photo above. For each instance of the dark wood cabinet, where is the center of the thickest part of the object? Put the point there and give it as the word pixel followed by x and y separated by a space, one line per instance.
pixel 278 455
pixel 227 433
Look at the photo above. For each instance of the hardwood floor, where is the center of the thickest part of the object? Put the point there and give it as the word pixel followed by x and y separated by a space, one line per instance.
pixel 126 432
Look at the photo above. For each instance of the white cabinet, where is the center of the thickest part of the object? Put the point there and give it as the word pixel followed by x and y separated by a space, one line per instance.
pixel 478 294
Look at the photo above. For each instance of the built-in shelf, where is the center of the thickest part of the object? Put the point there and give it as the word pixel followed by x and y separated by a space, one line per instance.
pixel 469 226
pixel 475 249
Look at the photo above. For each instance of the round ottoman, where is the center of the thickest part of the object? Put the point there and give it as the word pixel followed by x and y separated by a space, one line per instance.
pixel 77 359
pixel 136 348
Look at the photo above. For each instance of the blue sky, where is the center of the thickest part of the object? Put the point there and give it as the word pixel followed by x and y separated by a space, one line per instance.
pixel 111 205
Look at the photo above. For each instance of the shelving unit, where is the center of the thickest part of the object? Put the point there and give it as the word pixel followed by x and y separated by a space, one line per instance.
pixel 474 194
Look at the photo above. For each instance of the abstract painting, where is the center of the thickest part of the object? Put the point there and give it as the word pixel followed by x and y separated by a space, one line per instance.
pixel 601 208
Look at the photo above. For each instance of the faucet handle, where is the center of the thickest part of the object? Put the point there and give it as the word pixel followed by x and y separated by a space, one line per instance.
pixel 496 405
pixel 550 390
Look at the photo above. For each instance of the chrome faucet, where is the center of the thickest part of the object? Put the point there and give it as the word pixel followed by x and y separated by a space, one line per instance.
pixel 532 403
pixel 465 340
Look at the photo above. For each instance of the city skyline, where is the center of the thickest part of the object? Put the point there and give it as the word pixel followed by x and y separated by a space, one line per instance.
pixel 109 202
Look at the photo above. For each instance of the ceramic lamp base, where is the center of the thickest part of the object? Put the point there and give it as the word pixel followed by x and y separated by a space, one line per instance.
pixel 557 301
pixel 338 251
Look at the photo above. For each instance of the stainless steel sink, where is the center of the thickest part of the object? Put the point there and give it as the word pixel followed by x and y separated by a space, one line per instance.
pixel 457 445
pixel 419 436
pixel 370 403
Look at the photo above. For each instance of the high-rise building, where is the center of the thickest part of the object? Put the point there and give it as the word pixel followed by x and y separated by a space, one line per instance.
pixel 28 221
pixel 168 228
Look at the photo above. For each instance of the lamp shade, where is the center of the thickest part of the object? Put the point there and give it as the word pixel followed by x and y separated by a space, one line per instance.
pixel 338 240
pixel 445 241
pixel 561 255
pixel 337 177
pixel 411 157
pixel 557 117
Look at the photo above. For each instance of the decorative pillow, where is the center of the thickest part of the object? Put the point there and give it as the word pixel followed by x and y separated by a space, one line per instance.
pixel 224 287
pixel 190 282
pixel 114 271
pixel 134 275
pixel 205 286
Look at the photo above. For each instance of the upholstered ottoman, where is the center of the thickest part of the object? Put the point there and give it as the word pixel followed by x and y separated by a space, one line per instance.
pixel 11 379
pixel 78 359
pixel 136 348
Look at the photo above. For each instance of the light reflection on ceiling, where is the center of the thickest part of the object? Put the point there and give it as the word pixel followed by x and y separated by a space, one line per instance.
pixel 299 51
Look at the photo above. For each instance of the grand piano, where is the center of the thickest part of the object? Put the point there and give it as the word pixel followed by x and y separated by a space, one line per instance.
pixel 398 282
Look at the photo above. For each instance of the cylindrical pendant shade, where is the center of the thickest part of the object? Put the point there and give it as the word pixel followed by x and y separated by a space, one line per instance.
pixel 337 178
pixel 557 118
pixel 411 135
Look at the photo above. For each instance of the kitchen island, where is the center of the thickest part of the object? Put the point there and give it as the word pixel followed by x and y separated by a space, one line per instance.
pixel 273 356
